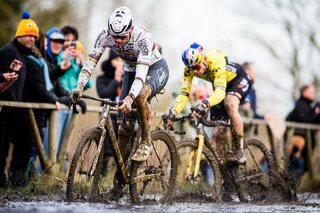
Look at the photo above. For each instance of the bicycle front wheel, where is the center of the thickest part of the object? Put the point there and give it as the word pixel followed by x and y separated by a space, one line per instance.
pixel 207 186
pixel 153 181
pixel 83 172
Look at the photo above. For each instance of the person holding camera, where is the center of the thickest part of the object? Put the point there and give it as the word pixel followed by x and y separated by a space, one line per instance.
pixel 10 118
pixel 7 78
pixel 74 52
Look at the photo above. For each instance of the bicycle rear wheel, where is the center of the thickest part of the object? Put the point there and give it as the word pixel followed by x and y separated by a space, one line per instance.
pixel 208 187
pixel 153 181
pixel 255 177
pixel 82 174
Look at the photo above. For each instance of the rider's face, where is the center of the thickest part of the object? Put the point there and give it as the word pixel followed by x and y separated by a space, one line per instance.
pixel 121 40
pixel 199 69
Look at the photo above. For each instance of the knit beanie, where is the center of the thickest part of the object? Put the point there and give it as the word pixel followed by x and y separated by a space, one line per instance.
pixel 27 26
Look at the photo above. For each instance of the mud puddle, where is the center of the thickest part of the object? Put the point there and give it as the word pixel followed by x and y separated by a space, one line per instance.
pixel 307 203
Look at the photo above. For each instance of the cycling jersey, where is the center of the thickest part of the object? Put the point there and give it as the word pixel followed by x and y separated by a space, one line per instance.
pixel 138 54
pixel 220 71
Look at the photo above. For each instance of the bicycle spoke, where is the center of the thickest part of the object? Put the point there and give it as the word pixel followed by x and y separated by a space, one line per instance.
pixel 151 179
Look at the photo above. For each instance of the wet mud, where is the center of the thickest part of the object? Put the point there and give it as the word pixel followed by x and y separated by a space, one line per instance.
pixel 18 203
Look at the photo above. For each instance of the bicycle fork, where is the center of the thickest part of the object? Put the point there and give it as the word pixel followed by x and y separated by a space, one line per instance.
pixel 195 153
pixel 96 158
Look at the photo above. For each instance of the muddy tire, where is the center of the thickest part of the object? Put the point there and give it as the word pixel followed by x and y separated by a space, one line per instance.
pixel 203 190
pixel 255 178
pixel 82 182
pixel 160 167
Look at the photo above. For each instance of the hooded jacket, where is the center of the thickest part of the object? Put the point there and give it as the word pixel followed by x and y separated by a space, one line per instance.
pixel 54 69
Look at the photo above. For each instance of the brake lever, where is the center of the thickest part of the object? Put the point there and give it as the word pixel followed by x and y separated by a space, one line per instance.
pixel 74 108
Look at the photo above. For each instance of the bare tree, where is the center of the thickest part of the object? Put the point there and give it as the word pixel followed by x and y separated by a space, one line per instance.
pixel 297 20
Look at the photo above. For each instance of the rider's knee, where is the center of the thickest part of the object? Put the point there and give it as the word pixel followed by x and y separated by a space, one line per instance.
pixel 144 94
pixel 231 103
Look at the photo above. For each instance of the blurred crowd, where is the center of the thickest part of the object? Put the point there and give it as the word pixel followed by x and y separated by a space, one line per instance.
pixel 35 67
pixel 43 67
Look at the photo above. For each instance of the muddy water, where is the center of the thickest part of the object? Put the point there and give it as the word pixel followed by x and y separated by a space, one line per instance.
pixel 307 203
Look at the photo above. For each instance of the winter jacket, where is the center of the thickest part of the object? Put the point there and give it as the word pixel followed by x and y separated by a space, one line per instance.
pixel 107 86
pixel 36 91
pixel 11 51
pixel 303 112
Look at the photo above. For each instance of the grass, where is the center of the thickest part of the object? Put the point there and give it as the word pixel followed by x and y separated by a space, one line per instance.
pixel 41 185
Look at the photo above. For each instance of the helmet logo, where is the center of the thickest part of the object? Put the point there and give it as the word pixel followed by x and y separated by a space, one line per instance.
pixel 193 55
pixel 120 21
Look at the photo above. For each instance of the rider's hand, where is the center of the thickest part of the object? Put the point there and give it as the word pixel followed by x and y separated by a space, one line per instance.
pixel 64 100
pixel 83 106
pixel 126 105
pixel 75 95
pixel 201 109
pixel 168 119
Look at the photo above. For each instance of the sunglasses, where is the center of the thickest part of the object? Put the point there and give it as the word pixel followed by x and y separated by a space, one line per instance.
pixel 121 37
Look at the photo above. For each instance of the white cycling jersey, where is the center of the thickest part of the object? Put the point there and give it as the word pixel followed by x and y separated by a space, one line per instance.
pixel 139 50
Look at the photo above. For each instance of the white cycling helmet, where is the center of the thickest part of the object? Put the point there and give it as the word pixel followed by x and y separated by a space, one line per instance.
pixel 120 21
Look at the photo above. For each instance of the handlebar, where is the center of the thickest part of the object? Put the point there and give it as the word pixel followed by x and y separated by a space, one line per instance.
pixel 107 101
pixel 102 100
pixel 205 122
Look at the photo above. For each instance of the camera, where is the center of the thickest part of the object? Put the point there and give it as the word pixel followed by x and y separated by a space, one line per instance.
pixel 74 44
pixel 15 66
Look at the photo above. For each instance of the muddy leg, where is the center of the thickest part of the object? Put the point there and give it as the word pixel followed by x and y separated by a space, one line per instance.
pixel 232 106
pixel 144 112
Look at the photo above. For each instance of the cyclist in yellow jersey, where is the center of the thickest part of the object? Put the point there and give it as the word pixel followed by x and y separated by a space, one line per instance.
pixel 230 83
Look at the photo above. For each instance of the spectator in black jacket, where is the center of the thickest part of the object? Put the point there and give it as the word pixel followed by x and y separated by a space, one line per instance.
pixel 11 118
pixel 109 86
pixel 38 88
pixel 304 112
pixel 109 83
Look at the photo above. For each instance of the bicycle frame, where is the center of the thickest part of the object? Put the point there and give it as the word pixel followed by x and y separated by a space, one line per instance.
pixel 200 138
pixel 107 130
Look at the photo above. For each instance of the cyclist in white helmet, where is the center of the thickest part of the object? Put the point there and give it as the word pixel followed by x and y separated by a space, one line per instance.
pixel 146 73
pixel 230 83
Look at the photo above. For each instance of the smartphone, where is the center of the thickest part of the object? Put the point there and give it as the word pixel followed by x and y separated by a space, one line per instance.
pixel 14 65
pixel 74 44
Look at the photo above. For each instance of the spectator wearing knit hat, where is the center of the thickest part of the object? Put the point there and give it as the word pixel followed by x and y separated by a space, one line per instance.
pixel 10 118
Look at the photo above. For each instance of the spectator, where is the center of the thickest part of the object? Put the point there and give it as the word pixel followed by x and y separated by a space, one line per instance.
pixel 10 118
pixel 249 106
pixel 109 86
pixel 7 78
pixel 72 52
pixel 304 112
pixel 38 88
pixel 54 45
pixel 109 83
pixel 297 162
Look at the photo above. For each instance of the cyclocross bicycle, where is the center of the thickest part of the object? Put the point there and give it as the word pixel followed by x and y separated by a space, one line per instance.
pixel 152 180
pixel 199 161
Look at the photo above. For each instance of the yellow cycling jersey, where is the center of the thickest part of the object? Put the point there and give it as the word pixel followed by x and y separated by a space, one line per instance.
pixel 220 70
